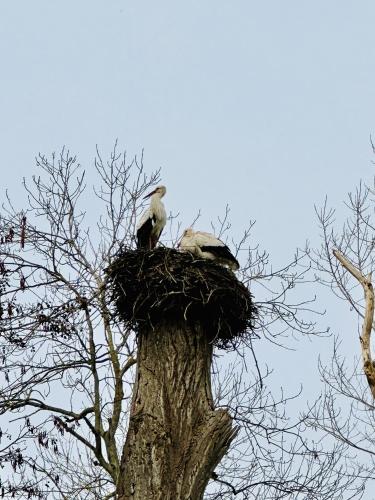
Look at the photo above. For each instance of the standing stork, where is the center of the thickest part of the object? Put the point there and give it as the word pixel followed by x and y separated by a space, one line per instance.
pixel 152 221
pixel 207 246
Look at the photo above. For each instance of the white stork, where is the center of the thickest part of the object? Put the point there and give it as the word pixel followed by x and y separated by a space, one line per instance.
pixel 152 221
pixel 207 246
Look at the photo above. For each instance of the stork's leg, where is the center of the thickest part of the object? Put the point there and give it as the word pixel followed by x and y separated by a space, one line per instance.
pixel 154 240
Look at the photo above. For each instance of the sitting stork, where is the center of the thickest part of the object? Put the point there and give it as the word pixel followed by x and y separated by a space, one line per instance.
pixel 152 221
pixel 207 246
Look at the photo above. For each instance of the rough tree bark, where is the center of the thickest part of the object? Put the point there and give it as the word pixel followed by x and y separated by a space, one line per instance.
pixel 176 438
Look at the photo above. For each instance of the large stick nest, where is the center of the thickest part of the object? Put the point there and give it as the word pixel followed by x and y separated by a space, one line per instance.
pixel 166 285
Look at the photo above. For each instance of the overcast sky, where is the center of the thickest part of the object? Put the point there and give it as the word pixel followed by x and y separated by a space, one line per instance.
pixel 267 106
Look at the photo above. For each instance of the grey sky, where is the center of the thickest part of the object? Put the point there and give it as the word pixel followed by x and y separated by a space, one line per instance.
pixel 267 106
pixel 243 102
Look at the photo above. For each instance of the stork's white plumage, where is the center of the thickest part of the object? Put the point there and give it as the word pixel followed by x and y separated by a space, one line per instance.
pixel 152 221
pixel 207 246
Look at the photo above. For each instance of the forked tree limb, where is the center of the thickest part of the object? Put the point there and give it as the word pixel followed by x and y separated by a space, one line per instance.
pixel 368 319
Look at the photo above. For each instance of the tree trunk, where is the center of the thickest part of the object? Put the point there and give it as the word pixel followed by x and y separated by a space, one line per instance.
pixel 175 438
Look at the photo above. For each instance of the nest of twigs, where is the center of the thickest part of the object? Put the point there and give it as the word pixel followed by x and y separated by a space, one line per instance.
pixel 167 285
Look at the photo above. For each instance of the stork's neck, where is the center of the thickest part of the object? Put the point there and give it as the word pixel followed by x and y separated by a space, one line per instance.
pixel 156 205
pixel 156 200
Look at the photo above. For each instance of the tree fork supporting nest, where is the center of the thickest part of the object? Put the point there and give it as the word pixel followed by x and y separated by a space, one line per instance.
pixel 176 438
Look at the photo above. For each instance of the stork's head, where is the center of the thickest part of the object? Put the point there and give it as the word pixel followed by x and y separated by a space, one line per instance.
pixel 160 191
pixel 188 232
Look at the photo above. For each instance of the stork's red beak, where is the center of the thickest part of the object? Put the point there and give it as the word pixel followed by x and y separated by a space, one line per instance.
pixel 150 194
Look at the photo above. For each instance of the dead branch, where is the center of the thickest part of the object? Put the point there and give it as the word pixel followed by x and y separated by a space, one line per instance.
pixel 367 325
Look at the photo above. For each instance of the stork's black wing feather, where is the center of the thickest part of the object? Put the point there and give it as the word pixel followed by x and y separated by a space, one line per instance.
pixel 144 234
pixel 222 252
